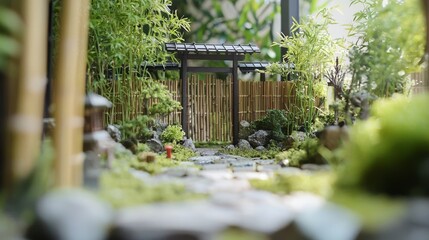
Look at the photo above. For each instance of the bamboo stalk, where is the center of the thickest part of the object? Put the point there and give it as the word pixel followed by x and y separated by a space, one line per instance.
pixel 65 91
pixel 25 122
pixel 77 164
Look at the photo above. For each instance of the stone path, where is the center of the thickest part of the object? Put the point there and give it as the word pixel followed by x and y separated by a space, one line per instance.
pixel 231 202
pixel 232 207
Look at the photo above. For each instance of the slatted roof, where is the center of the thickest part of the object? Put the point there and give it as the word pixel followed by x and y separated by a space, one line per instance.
pixel 208 48
pixel 252 66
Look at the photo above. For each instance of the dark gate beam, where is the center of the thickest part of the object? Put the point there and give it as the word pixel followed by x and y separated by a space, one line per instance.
pixel 235 101
pixel 184 99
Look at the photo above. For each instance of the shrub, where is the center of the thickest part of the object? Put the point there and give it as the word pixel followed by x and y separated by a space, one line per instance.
pixel 276 122
pixel 137 128
pixel 302 152
pixel 172 134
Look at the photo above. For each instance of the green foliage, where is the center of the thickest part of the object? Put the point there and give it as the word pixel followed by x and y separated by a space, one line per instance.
pixel 123 35
pixel 311 51
pixel 172 134
pixel 10 27
pixel 137 128
pixel 233 22
pixel 275 121
pixel 131 32
pixel 301 153
pixel 391 36
pixel 181 153
pixel 389 152
pixel 319 183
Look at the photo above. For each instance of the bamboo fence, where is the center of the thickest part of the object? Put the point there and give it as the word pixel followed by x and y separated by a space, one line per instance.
pixel 210 105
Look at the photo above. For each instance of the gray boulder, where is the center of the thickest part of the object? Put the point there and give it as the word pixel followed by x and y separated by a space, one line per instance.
pixel 69 215
pixel 114 132
pixel 160 127
pixel 244 124
pixel 261 148
pixel 188 143
pixel 244 144
pixel 259 138
pixel 155 145
pixel 229 147
pixel 245 130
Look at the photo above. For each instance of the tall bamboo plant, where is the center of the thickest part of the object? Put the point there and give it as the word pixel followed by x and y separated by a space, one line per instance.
pixel 310 50
pixel 390 44
pixel 125 35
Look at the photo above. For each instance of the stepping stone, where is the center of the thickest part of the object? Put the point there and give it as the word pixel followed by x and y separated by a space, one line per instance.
pixel 216 166
pixel 204 159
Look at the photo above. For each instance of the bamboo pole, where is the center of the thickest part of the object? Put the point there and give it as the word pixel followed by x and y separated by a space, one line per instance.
pixel 78 157
pixel 65 89
pixel 25 122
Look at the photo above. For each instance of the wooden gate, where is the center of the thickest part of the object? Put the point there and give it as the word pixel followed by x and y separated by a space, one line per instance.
pixel 210 105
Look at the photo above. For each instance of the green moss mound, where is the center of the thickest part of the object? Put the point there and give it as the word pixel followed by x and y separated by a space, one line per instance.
pixel 121 189
pixel 319 183
pixel 389 153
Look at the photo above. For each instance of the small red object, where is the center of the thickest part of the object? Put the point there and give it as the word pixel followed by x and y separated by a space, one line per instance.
pixel 169 150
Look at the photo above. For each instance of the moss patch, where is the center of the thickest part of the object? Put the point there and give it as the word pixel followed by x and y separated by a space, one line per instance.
pixel 374 210
pixel 252 153
pixel 121 189
pixel 318 183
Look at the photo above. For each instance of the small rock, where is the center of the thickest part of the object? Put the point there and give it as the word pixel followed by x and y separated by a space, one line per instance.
pixel 155 145
pixel 147 157
pixel 207 152
pixel 130 144
pixel 298 136
pixel 244 144
pixel 188 143
pixel 260 148
pixel 240 164
pixel 114 132
pixel 230 147
pixel 332 136
pixel 284 163
pixel 245 130
pixel 259 138
pixel 244 124
pixel 160 127
pixel 155 135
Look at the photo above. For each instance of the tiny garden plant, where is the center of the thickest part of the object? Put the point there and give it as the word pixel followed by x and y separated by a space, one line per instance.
pixel 172 134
